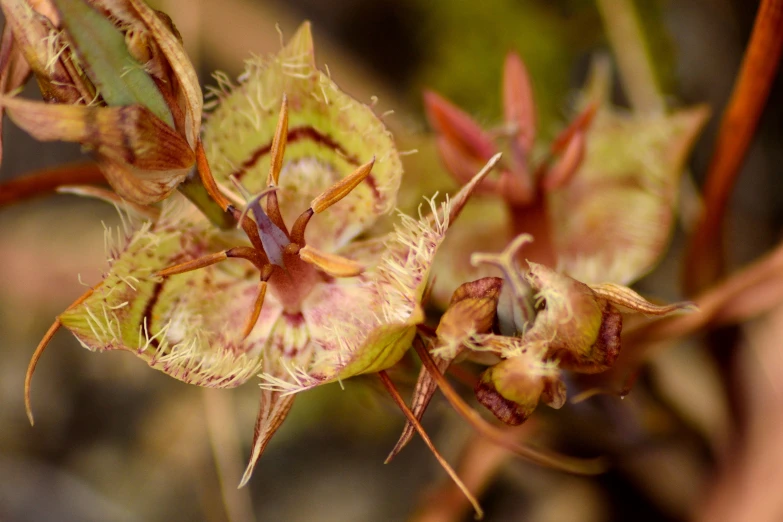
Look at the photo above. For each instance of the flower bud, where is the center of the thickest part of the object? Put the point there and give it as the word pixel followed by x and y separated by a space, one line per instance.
pixel 512 389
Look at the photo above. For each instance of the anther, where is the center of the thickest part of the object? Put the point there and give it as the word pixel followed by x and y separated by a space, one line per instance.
pixel 276 164
pixel 278 144
pixel 342 188
pixel 256 312
pixel 298 230
pixel 193 264
pixel 331 264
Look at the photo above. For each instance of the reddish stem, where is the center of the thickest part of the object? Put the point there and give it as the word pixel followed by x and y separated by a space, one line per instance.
pixel 534 219
pixel 46 181
pixel 704 262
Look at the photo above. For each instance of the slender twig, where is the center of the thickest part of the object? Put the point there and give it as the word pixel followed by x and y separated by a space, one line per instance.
pixel 621 22
pixel 46 181
pixel 704 262
pixel 423 434
pixel 227 451
pixel 39 350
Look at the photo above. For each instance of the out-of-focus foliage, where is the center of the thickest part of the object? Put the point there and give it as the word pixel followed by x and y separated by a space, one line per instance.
pixel 470 39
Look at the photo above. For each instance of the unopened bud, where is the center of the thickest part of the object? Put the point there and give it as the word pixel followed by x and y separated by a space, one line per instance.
pixel 511 390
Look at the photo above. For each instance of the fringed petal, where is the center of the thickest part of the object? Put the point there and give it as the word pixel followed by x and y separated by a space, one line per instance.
pixel 188 325
pixel 329 135
pixel 613 220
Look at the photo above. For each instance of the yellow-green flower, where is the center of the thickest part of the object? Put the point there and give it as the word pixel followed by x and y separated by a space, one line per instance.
pixel 314 305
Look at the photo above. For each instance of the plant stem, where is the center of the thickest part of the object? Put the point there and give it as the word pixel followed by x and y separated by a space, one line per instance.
pixel 45 182
pixel 626 37
pixel 704 261
pixel 193 189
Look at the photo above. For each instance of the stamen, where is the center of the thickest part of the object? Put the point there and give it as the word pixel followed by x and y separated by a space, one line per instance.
pixel 580 123
pixel 518 103
pixel 477 422
pixel 298 230
pixel 342 188
pixel 247 253
pixel 276 164
pixel 273 210
pixel 332 264
pixel 193 264
pixel 278 144
pixel 415 422
pixel 39 350
pixel 257 305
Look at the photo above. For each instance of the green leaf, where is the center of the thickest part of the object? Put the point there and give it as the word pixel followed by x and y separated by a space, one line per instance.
pixel 120 79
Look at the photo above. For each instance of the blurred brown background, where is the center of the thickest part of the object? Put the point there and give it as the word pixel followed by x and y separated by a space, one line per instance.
pixel 116 441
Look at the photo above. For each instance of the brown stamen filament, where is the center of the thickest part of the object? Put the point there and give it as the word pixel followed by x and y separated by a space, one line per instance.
pixel 298 230
pixel 387 382
pixel 566 166
pixel 334 265
pixel 342 188
pixel 193 264
pixel 248 253
pixel 276 164
pixel 256 312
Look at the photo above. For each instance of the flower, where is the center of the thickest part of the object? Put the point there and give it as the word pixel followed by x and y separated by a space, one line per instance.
pixel 600 205
pixel 116 79
pixel 317 305
pixel 557 323
pixel 600 202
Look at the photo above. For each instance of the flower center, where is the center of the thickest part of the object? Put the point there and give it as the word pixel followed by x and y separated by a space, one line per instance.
pixel 287 265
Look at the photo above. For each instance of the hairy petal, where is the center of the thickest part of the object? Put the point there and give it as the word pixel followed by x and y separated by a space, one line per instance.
pixel 578 328
pixel 613 220
pixel 189 325
pixel 329 136
pixel 472 310
pixel 287 351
